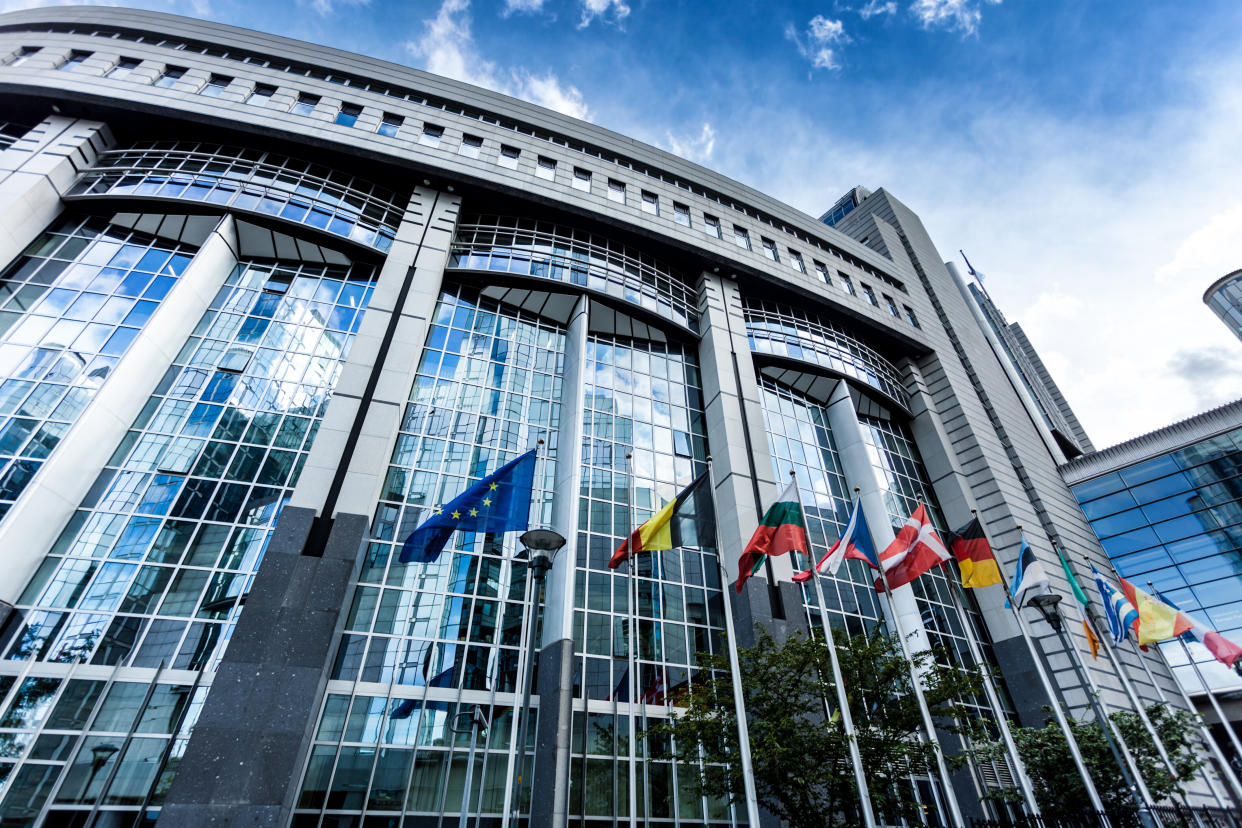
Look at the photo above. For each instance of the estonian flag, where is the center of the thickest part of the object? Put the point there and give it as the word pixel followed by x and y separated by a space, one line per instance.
pixel 667 528
pixel 499 502
pixel 1030 578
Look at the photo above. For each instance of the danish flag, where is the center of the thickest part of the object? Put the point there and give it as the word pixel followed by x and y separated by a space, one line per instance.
pixel 916 549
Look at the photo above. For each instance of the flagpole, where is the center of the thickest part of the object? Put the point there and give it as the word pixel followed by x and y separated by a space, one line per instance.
pixel 1058 712
pixel 1226 769
pixel 1139 707
pixel 950 796
pixel 739 700
pixel 1002 721
pixel 631 563
pixel 1165 700
pixel 843 702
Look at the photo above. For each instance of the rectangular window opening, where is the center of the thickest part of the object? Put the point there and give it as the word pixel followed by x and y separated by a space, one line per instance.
pixel 509 157
pixel 681 213
pixel 545 168
pixel 215 85
pixel 305 104
pixel 431 135
pixel 123 67
pixel 76 58
pixel 741 238
pixel 910 317
pixel 348 114
pixel 24 54
pixel 769 249
pixel 470 146
pixel 261 95
pixel 711 226
pixel 169 76
pixel 582 179
pixel 616 191
pixel 795 261
pixel 390 124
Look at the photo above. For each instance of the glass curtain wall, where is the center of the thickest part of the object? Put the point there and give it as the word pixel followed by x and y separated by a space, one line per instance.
pixel 643 399
pixel 134 604
pixel 423 642
pixel 69 308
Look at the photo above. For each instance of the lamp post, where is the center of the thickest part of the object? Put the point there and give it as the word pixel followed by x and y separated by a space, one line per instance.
pixel 542 546
pixel 1048 605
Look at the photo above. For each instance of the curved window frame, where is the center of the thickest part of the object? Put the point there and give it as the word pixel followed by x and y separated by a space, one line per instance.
pixel 262 183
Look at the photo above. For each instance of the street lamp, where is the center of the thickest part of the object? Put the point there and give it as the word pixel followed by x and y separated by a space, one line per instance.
pixel 541 545
pixel 100 754
pixel 1049 607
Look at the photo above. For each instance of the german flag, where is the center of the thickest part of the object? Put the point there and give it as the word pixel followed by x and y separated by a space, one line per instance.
pixel 666 529
pixel 974 556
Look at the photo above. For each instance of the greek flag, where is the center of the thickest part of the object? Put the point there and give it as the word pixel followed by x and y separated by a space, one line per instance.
pixel 1121 614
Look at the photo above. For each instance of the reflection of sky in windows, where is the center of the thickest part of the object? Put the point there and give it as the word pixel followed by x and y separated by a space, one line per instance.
pixel 71 307
pixel 1176 519
pixel 153 565
pixel 418 635
pixel 645 399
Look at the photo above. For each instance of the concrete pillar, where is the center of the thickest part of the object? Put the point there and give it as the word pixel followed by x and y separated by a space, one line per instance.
pixel 858 467
pixel 556 658
pixel 243 764
pixel 37 170
pixel 36 520
pixel 742 465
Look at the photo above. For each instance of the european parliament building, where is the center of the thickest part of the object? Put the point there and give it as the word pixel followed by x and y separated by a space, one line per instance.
pixel 266 305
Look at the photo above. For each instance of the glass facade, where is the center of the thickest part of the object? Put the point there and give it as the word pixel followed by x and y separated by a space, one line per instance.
pixel 252 180
pixel 71 306
pixel 1225 300
pixel 563 254
pixel 642 399
pixel 424 642
pixel 1176 520
pixel 149 576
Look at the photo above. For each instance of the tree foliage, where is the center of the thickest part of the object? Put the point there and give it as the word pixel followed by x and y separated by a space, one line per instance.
pixel 1059 788
pixel 799 750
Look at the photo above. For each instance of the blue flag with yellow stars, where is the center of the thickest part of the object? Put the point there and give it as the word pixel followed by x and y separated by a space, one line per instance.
pixel 499 502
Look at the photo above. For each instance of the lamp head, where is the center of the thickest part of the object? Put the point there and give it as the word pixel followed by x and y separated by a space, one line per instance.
pixel 543 544
pixel 1047 606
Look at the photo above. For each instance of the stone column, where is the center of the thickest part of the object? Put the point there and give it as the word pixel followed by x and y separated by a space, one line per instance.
pixel 36 520
pixel 37 170
pixel 556 658
pixel 243 764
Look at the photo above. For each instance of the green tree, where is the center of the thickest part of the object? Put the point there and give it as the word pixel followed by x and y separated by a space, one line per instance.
pixel 1058 786
pixel 798 746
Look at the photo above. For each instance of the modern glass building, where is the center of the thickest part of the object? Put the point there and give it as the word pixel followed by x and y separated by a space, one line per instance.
pixel 265 306
pixel 1224 297
pixel 1167 507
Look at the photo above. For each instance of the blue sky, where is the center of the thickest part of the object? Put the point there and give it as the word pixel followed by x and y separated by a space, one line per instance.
pixel 1086 155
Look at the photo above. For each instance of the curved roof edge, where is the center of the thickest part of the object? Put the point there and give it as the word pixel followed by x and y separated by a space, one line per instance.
pixel 1170 438
pixel 173 26
pixel 1219 283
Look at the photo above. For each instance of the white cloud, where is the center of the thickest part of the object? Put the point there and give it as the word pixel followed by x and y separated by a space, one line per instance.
pixel 816 44
pixel 592 9
pixel 877 7
pixel 523 6
pixel 326 7
pixel 1209 252
pixel 954 15
pixel 698 149
pixel 447 48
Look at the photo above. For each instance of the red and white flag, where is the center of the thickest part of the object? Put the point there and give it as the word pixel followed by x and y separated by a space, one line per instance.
pixel 916 549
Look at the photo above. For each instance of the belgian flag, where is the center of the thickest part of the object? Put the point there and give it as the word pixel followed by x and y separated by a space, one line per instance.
pixel 671 527
pixel 974 556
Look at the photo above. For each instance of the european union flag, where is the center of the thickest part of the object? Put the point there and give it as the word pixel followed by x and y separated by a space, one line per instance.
pixel 499 502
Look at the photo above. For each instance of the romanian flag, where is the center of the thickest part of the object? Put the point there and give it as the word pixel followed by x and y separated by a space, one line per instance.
pixel 1157 621
pixel 665 529
pixel 974 556
pixel 782 530
pixel 1224 650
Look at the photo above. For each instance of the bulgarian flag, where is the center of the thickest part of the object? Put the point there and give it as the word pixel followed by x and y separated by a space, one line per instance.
pixel 1157 621
pixel 663 530
pixel 782 530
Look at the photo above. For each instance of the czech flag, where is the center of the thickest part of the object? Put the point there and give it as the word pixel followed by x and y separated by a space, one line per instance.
pixel 855 542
